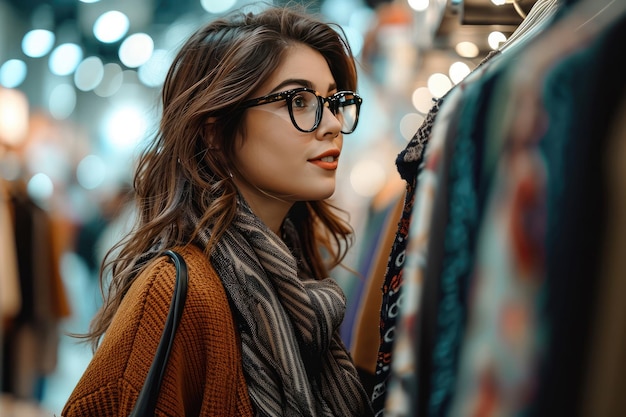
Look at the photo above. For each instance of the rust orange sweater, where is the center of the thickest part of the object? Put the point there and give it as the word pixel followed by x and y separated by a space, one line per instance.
pixel 204 376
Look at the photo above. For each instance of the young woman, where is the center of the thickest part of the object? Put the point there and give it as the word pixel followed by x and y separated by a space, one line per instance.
pixel 237 180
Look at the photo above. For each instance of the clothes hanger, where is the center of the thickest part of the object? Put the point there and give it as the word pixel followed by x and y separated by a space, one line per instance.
pixel 536 19
pixel 518 8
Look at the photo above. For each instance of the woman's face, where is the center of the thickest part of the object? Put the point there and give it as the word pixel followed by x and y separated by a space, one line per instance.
pixel 279 163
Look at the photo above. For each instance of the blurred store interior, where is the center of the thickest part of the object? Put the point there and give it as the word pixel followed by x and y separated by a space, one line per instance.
pixel 79 92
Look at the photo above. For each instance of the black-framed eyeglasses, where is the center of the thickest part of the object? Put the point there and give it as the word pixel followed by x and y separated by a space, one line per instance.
pixel 306 107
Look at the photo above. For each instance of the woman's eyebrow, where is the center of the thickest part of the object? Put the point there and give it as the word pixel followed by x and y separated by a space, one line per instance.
pixel 291 81
pixel 301 82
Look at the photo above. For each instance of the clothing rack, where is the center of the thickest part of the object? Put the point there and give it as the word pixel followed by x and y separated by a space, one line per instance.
pixel 505 273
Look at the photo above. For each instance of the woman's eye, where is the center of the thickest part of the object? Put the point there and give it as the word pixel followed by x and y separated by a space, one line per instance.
pixel 299 102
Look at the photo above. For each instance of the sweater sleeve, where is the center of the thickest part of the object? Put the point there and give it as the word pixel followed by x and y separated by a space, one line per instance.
pixel 204 375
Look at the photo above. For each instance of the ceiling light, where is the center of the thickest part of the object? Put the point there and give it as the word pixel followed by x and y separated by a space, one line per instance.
pixel 419 5
pixel 467 49
pixel 439 84
pixel 409 125
pixel 111 26
pixel 495 39
pixel 112 79
pixel 13 73
pixel 458 71
pixel 136 50
pixel 422 100
pixel 217 6
pixel 89 74
pixel 37 43
pixel 13 117
pixel 65 58
pixel 62 101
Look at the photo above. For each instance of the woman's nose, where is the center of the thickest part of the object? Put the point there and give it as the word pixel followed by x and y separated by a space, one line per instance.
pixel 329 124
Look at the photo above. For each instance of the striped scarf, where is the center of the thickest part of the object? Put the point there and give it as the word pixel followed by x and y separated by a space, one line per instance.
pixel 293 358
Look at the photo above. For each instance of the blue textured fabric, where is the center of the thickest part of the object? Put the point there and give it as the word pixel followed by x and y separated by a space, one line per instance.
pixel 459 245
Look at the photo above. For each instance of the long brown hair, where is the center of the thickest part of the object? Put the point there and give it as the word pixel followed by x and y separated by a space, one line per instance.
pixel 186 168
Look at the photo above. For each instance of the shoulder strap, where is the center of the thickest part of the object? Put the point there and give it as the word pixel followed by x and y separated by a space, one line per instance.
pixel 146 402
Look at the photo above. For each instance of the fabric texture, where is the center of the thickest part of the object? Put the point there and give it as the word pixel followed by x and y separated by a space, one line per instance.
pixel 204 376
pixel 464 214
pixel 293 357
pixel 584 82
pixel 407 377
pixel 408 163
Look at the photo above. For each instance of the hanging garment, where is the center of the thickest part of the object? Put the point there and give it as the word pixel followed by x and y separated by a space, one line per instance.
pixel 606 367
pixel 10 298
pixel 577 209
pixel 32 336
pixel 410 163
pixel 528 311
pixel 404 379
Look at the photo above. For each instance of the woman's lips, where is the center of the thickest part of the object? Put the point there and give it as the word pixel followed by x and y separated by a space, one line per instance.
pixel 328 160
pixel 326 163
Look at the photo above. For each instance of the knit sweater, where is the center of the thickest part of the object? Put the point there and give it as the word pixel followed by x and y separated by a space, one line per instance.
pixel 204 376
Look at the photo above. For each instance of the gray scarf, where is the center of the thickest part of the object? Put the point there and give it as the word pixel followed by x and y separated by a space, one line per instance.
pixel 293 357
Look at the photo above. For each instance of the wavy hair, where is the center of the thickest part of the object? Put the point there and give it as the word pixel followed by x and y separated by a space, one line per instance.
pixel 186 168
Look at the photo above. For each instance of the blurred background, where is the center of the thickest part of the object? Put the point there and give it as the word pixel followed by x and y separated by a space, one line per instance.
pixel 79 93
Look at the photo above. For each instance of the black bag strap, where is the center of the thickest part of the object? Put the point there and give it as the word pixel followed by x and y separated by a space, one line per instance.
pixel 146 402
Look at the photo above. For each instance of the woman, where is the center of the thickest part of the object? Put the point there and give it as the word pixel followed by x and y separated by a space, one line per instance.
pixel 237 181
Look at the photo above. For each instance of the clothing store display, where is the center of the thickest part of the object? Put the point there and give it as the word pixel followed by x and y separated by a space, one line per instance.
pixel 204 376
pixel 420 296
pixel 506 260
pixel 410 164
pixel 149 394
pixel 486 277
pixel 459 235
pixel 303 369
pixel 409 167
pixel 586 80
pixel 503 284
pixel 31 335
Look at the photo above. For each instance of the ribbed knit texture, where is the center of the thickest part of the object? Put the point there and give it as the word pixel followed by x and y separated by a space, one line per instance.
pixel 204 376
pixel 293 357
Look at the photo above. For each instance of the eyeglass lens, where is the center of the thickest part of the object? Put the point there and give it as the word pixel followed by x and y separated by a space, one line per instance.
pixel 307 111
